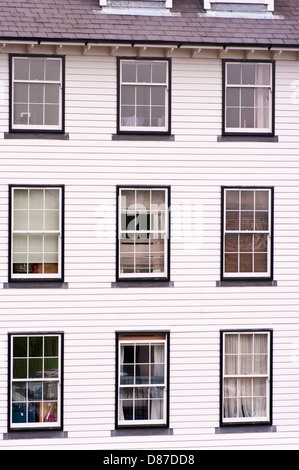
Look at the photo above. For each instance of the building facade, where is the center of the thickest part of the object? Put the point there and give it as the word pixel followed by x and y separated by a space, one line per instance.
pixel 149 225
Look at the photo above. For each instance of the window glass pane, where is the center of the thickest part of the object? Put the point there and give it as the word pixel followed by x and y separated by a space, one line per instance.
pixel 20 198
pixel 51 346
pixel 20 346
pixel 37 69
pixel 247 220
pixel 51 114
pixel 52 220
pixel 19 243
pixel 247 97
pixel 260 262
pixel 158 95
pixel 52 198
pixel 232 220
pixel 36 93
pixel 128 71
pixel 248 74
pixel 144 72
pixel 128 95
pixel 232 117
pixel 231 243
pixel 36 243
pixel 143 116
pixel 231 263
pixel 20 220
pixel 21 93
pixel 35 346
pixel 36 220
pixel 245 263
pixel 52 94
pixel 261 221
pixel 52 69
pixel 247 118
pixel 159 70
pixel 261 200
pixel 232 200
pixel 158 116
pixel 128 116
pixel 21 68
pixel 143 95
pixel 234 74
pixel 21 114
pixel 233 97
pixel 263 74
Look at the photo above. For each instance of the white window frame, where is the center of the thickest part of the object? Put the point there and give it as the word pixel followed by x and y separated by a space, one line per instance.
pixel 35 127
pixel 30 276
pixel 58 380
pixel 144 129
pixel 164 233
pixel 254 275
pixel 139 422
pixel 249 130
pixel 267 376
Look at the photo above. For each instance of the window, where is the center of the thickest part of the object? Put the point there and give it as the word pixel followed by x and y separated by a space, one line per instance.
pixel 35 381
pixel 36 233
pixel 247 233
pixel 36 93
pixel 142 379
pixel 143 227
pixel 248 97
pixel 246 377
pixel 144 95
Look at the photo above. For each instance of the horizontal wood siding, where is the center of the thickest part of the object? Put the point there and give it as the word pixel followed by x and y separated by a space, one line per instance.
pixel 89 312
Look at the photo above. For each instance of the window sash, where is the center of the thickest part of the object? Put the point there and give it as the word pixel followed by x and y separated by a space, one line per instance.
pixel 256 112
pixel 143 252
pixel 152 110
pixel 42 405
pixel 41 105
pixel 137 390
pixel 247 391
pixel 241 256
pixel 43 257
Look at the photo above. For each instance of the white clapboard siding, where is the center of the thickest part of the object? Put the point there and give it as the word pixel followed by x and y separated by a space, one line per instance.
pixel 89 312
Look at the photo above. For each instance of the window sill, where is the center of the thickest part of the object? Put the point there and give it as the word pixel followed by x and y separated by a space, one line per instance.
pixel 246 138
pixel 246 283
pixel 142 284
pixel 36 135
pixel 35 285
pixel 153 137
pixel 234 429
pixel 36 434
pixel 142 432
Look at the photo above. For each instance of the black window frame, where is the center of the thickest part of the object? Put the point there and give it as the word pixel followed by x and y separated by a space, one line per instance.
pixel 31 429
pixel 243 278
pixel 145 132
pixel 254 422
pixel 254 132
pixel 41 130
pixel 35 280
pixel 148 279
pixel 137 334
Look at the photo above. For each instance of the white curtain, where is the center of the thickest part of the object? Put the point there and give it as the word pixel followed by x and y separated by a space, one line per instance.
pixel 245 355
pixel 262 96
pixel 157 404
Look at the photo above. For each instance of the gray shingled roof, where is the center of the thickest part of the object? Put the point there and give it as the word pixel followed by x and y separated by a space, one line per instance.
pixel 82 19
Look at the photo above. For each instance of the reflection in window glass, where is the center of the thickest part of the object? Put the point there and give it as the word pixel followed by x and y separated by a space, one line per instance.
pixel 35 381
pixel 247 232
pixel 142 380
pixel 143 94
pixel 248 97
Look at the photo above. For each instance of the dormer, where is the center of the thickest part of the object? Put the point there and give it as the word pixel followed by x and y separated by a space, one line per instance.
pixel 260 6
pixel 137 7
